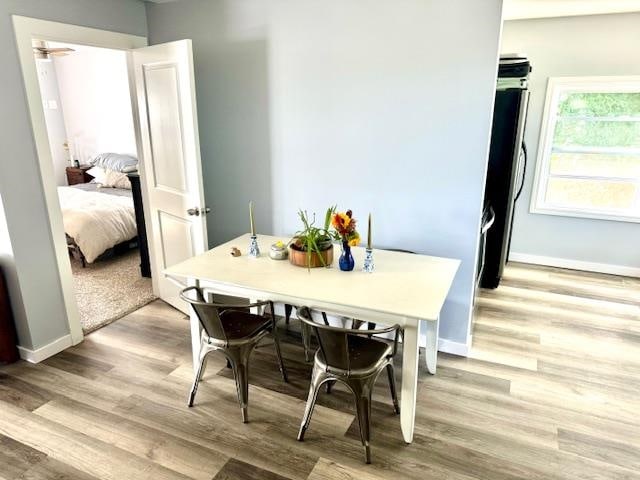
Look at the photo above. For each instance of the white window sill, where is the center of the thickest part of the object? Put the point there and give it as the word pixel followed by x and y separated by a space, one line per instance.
pixel 584 214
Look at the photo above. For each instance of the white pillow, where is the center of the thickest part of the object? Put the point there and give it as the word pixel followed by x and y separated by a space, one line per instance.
pixel 98 174
pixel 116 180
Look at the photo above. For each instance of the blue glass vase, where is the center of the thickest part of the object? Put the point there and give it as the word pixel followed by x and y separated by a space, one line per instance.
pixel 346 261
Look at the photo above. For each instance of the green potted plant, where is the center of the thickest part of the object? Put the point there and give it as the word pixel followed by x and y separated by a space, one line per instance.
pixel 312 246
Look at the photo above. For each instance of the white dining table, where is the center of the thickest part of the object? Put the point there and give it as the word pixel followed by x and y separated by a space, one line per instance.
pixel 405 289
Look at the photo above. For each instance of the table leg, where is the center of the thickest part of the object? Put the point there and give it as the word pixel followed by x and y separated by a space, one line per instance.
pixel 409 381
pixel 431 352
pixel 195 332
pixel 256 310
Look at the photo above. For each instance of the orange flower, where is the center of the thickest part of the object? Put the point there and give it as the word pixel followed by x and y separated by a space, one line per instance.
pixel 340 221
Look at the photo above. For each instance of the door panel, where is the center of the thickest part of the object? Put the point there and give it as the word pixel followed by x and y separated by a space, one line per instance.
pixel 163 105
pixel 177 238
pixel 170 166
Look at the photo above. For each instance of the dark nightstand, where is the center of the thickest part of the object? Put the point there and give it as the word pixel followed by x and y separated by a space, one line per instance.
pixel 79 174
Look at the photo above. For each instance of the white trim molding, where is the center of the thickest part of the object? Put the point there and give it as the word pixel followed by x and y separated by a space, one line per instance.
pixel 49 350
pixel 556 86
pixel 26 29
pixel 611 269
pixel 454 348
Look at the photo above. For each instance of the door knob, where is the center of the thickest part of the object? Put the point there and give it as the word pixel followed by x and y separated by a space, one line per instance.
pixel 195 211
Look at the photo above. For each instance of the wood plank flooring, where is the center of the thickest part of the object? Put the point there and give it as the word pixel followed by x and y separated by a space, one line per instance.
pixel 551 390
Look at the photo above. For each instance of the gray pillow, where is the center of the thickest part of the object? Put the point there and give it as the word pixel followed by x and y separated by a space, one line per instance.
pixel 116 162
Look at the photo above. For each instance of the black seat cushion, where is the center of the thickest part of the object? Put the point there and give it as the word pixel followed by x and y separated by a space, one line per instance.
pixel 239 324
pixel 365 356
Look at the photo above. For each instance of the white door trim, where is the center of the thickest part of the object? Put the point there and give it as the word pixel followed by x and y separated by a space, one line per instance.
pixel 25 30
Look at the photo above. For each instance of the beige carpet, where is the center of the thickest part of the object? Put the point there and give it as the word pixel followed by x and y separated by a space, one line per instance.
pixel 110 288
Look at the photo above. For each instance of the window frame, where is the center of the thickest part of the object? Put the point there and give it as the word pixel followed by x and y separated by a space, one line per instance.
pixel 555 87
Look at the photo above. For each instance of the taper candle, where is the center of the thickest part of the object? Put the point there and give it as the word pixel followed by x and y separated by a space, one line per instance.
pixel 369 234
pixel 253 227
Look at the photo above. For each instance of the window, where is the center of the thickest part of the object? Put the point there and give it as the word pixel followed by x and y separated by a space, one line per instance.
pixel 589 153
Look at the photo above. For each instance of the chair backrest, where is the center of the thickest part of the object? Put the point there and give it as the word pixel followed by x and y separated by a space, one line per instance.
pixel 208 313
pixel 334 341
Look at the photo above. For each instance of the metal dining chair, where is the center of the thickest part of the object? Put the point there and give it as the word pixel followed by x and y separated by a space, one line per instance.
pixel 234 331
pixel 351 357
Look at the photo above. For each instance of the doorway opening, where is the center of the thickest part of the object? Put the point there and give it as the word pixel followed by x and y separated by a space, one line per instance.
pixel 90 129
pixel 163 105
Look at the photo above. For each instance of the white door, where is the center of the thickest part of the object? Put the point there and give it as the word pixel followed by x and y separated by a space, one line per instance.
pixel 170 160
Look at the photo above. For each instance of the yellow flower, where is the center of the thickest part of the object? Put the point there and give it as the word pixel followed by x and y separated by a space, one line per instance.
pixel 340 221
pixel 354 241
pixel 279 244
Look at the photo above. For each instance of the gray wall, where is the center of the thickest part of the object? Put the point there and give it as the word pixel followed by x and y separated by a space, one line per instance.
pixel 33 256
pixel 232 89
pixel 572 46
pixel 303 104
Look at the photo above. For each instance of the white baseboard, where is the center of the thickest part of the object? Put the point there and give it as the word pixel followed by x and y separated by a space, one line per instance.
pixel 454 348
pixel 40 354
pixel 576 264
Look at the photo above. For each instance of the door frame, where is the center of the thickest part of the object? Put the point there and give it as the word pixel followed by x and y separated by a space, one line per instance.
pixel 26 29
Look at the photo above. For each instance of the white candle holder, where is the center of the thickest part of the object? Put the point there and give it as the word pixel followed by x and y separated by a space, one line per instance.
pixel 368 261
pixel 254 249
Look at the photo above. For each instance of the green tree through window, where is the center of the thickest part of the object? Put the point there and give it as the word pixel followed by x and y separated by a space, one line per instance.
pixel 590 157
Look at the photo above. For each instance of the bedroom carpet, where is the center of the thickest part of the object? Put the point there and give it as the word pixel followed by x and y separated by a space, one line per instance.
pixel 109 289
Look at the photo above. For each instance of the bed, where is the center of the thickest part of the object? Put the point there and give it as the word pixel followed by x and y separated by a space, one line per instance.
pixel 96 219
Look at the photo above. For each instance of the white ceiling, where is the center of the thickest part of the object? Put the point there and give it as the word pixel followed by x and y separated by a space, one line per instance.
pixel 517 9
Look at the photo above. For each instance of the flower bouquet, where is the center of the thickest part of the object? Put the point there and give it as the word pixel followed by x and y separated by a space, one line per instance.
pixel 345 230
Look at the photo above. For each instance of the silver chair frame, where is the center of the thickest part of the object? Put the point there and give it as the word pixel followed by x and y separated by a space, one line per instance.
pixel 360 382
pixel 237 351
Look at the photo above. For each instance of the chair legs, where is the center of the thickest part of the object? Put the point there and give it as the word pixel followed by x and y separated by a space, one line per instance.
pixel 392 387
pixel 304 331
pixel 317 377
pixel 239 357
pixel 276 342
pixel 287 313
pixel 306 341
pixel 198 377
pixel 330 384
pixel 238 360
pixel 362 389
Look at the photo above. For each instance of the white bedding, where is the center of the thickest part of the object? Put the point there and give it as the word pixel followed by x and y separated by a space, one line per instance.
pixel 96 221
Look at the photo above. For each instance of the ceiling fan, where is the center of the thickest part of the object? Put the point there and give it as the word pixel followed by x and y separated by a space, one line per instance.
pixel 45 52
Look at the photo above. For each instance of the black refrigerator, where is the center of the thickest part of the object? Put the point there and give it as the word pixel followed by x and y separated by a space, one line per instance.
pixel 506 167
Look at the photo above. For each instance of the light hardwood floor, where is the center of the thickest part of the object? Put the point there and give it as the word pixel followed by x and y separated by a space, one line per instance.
pixel 551 391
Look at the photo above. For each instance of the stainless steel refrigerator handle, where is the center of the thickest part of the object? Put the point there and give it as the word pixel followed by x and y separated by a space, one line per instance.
pixel 524 169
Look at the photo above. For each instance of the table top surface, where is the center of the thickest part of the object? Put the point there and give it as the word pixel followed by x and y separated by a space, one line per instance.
pixel 402 284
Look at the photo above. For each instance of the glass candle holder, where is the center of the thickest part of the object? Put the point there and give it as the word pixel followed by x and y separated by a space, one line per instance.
pixel 254 249
pixel 368 261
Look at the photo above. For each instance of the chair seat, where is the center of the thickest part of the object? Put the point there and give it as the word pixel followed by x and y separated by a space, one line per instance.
pixel 238 324
pixel 365 356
